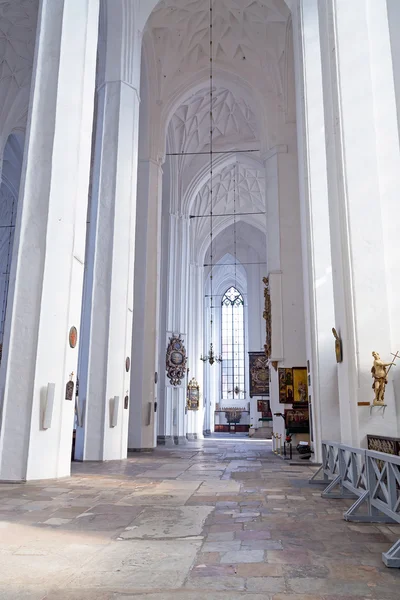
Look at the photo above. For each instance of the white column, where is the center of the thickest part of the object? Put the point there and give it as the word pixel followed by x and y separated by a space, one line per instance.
pixel 284 264
pixel 195 346
pixel 50 244
pixel 109 288
pixel 363 181
pixel 142 434
pixel 313 185
pixel 177 319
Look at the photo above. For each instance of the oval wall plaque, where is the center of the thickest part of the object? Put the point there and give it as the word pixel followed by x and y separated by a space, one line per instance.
pixel 73 337
pixel 127 364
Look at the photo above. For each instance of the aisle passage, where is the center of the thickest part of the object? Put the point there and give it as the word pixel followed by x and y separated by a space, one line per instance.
pixel 222 519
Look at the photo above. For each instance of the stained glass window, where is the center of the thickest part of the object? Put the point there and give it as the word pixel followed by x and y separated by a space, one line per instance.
pixel 232 366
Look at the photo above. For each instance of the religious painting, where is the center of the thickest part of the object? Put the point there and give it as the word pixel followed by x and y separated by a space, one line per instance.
pixel 297 420
pixel 267 315
pixel 193 395
pixel 176 360
pixel 286 391
pixel 264 407
pixel 259 374
pixel 300 385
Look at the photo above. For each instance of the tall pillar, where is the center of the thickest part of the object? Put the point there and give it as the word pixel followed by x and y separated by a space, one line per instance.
pixel 142 421
pixel 195 346
pixel 363 180
pixel 284 266
pixel 313 187
pixel 108 310
pixel 176 323
pixel 49 245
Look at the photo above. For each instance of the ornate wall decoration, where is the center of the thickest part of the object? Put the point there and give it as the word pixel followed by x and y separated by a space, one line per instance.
pixel 267 314
pixel 176 360
pixel 193 395
pixel 259 374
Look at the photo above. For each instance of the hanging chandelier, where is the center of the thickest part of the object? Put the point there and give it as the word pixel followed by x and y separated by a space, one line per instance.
pixel 211 357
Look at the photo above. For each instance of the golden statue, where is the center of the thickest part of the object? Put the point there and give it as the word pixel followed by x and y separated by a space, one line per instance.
pixel 379 373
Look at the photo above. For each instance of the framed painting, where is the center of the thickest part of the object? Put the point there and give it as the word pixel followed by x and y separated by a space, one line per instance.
pixel 193 395
pixel 286 393
pixel 300 385
pixel 264 407
pixel 297 420
pixel 259 374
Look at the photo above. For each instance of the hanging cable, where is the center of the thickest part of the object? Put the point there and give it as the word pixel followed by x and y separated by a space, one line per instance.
pixel 211 358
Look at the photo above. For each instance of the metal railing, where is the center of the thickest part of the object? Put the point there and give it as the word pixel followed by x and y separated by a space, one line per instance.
pixel 373 478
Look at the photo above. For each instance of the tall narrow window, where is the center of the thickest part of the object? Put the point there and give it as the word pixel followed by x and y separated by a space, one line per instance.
pixel 232 365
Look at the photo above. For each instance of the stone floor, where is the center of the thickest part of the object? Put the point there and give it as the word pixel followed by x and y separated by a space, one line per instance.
pixel 219 519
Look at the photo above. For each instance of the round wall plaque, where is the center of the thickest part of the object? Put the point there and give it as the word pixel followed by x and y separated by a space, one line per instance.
pixel 127 364
pixel 73 337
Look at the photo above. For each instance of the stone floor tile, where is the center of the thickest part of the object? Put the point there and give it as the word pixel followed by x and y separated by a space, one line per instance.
pixel 221 546
pixel 243 556
pixel 21 593
pixel 139 564
pixel 168 522
pixel 208 558
pixel 261 545
pixel 216 583
pixel 213 570
pixel 221 537
pixel 266 584
pixel 259 570
pixel 56 522
pixel 293 571
pixel 253 535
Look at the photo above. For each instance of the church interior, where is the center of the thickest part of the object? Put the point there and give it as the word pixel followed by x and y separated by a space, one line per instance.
pixel 199 330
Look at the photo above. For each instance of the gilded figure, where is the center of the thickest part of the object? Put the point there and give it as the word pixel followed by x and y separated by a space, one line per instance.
pixel 379 373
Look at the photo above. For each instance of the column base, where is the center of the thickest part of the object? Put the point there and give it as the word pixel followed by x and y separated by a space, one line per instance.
pixel 190 437
pixel 207 433
pixel 180 440
pixel 165 440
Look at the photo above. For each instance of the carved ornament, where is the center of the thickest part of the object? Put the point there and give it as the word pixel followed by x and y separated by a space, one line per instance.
pixel 176 360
